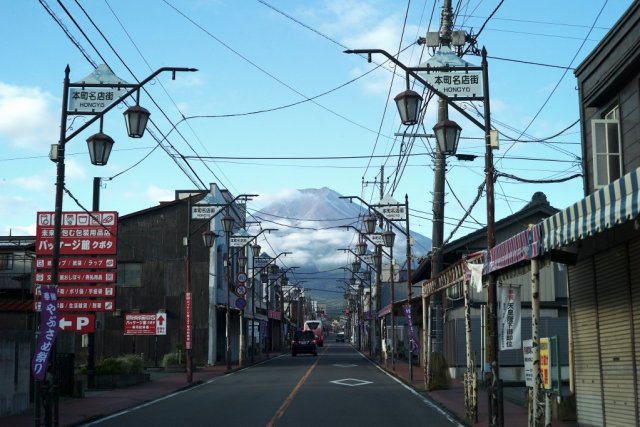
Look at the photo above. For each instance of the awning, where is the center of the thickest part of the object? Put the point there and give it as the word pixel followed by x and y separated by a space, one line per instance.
pixel 610 205
pixel 521 247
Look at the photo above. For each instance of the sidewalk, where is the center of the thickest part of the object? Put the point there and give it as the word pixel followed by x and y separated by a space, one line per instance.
pixel 452 399
pixel 99 403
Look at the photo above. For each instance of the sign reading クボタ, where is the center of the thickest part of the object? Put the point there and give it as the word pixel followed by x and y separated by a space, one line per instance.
pixel 82 233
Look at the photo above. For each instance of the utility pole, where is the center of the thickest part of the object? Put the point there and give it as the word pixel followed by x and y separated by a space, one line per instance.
pixel 435 325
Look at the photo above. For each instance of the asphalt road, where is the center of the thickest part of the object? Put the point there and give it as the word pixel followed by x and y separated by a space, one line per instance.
pixel 339 387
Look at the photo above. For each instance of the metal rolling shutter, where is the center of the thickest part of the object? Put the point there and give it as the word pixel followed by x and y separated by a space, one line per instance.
pixel 586 358
pixel 634 274
pixel 616 355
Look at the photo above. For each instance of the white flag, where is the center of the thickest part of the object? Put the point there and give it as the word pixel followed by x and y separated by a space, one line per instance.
pixel 509 314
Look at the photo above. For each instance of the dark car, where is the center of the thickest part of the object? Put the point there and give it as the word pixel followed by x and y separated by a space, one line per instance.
pixel 340 337
pixel 304 342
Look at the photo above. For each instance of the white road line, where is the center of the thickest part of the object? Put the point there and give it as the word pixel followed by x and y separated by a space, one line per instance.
pixel 424 400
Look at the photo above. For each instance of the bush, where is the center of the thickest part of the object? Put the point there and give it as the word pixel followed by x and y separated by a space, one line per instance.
pixel 130 364
pixel 173 359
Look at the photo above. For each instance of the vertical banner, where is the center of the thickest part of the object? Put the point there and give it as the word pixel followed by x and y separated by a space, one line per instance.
pixel 412 335
pixel 509 314
pixel 545 365
pixel 188 321
pixel 48 332
pixel 263 330
pixel 527 353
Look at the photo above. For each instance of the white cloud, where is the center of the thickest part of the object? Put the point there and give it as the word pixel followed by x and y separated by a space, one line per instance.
pixel 157 194
pixel 32 183
pixel 27 120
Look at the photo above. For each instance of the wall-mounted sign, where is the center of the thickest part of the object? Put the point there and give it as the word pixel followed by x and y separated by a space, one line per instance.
pixel 77 277
pixel 145 324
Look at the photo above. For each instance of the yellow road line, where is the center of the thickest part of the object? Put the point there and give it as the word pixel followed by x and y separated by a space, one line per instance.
pixel 289 399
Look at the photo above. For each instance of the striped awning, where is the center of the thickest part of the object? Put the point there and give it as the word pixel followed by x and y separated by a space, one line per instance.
pixel 610 205
pixel 521 247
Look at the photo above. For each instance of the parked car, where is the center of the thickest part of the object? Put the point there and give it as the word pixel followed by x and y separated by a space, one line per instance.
pixel 304 342
pixel 340 337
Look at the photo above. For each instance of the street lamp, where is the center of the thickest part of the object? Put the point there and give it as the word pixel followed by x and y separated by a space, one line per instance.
pixel 447 136
pixel 136 118
pixel 389 236
pixel 255 252
pixel 99 150
pixel 494 390
pixel 408 103
pixel 227 226
pixel 370 224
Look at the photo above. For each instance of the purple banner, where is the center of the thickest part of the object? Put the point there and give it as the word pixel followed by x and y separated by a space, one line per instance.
pixel 263 330
pixel 48 332
pixel 412 334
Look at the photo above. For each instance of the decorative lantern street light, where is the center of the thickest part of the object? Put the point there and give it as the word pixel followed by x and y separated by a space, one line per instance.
pixel 227 225
pixel 388 237
pixel 356 266
pixel 209 238
pixel 370 224
pixel 100 146
pixel 242 261
pixel 447 135
pixel 136 118
pixel 361 248
pixel 256 250
pixel 408 103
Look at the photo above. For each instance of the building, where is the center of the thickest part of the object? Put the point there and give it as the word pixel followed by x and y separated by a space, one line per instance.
pixel 553 298
pixel 16 322
pixel 603 231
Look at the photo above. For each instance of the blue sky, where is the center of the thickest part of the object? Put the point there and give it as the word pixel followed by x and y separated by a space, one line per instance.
pixel 254 56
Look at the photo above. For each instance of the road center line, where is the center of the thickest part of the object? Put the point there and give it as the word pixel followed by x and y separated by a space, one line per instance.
pixel 289 399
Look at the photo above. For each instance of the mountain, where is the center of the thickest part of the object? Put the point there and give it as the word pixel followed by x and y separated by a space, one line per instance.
pixel 314 224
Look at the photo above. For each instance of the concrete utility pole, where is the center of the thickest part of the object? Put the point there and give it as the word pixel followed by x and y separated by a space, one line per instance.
pixel 437 233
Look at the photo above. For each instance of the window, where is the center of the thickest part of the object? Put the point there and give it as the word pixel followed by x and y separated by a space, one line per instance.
pixel 129 274
pixel 6 261
pixel 607 153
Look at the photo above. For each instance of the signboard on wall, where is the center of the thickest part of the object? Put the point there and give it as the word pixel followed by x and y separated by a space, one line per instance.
pixel 82 233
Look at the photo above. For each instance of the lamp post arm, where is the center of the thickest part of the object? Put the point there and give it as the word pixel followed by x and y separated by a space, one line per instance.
pixel 358 256
pixel 373 208
pixel 270 261
pixel 222 209
pixel 368 238
pixel 415 75
pixel 133 89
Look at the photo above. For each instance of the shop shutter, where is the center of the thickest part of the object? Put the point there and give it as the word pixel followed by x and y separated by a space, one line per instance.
pixel 616 355
pixel 634 275
pixel 586 358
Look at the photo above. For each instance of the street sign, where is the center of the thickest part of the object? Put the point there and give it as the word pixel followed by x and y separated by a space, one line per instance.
pixel 95 99
pixel 452 76
pixel 205 211
pixel 81 323
pixel 376 238
pixel 82 233
pixel 261 262
pixel 241 277
pixel 77 277
pixel 78 262
pixel 391 209
pixel 68 305
pixel 143 323
pixel 241 290
pixel 241 303
pixel 86 291
pixel 239 241
pixel 161 324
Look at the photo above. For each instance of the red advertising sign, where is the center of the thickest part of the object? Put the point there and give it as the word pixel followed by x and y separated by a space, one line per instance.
pixel 187 321
pixel 68 305
pixel 77 277
pixel 145 324
pixel 98 262
pixel 84 291
pixel 81 323
pixel 82 233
